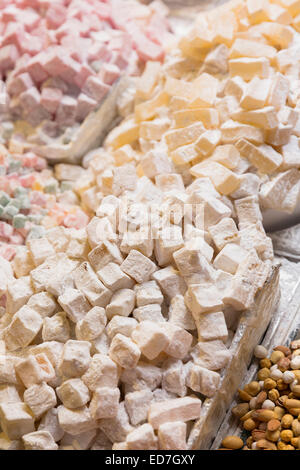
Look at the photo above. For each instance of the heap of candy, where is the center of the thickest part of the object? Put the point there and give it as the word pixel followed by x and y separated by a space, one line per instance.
pixel 59 59
pixel 32 200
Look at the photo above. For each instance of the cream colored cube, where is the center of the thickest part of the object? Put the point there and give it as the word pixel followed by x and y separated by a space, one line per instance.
pixel 40 249
pixel 137 405
pixel 178 409
pixel 92 325
pixel 138 267
pixel 75 358
pixel 224 232
pixel 253 49
pixel 227 155
pixel 203 381
pixel 35 369
pixel 75 422
pixel 206 143
pixel 122 303
pixel 216 60
pixel 105 403
pixel 103 254
pixel 248 68
pixel 230 257
pixel 263 157
pixel 9 394
pixel 102 372
pixel 150 338
pixel 75 304
pixel 290 153
pixel 211 326
pixel 279 91
pixel 167 242
pixel 73 393
pixel 233 131
pixel 224 180
pixel 16 420
pixel 40 398
pixel 24 327
pixel 209 117
pixel 256 94
pixel 124 351
pixel 122 325
pixel 172 436
pixel 169 182
pixel 88 283
pixel 56 328
pixel 39 440
pixel 179 137
pixel 142 438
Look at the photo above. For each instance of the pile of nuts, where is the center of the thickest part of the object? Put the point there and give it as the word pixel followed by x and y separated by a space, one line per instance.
pixel 270 406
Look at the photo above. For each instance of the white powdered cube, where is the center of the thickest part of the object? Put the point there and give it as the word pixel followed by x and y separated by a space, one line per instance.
pixel 16 420
pixel 92 325
pixel 151 339
pixel 174 377
pixel 148 293
pixel 151 312
pixel 138 267
pixel 230 257
pixel 39 440
pixel 172 436
pixel 35 369
pixel 211 325
pixel 116 428
pixel 56 328
pixel 40 398
pixel 212 355
pixel 105 403
pixel 122 303
pixel 75 358
pixel 170 282
pixel 142 438
pixel 114 278
pixel 74 304
pixel 76 421
pixel 203 380
pixel 177 409
pixel 73 393
pixel 43 303
pixel 124 351
pixel 122 325
pixel 22 330
pixel 137 405
pixel 40 249
pixel 180 315
pixel 179 340
pixel 49 422
pixel 88 283
pixel 204 298
pixel 102 372
pixel 224 232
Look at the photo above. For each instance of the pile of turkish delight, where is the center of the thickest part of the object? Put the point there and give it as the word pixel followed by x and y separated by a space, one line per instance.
pixel 58 60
